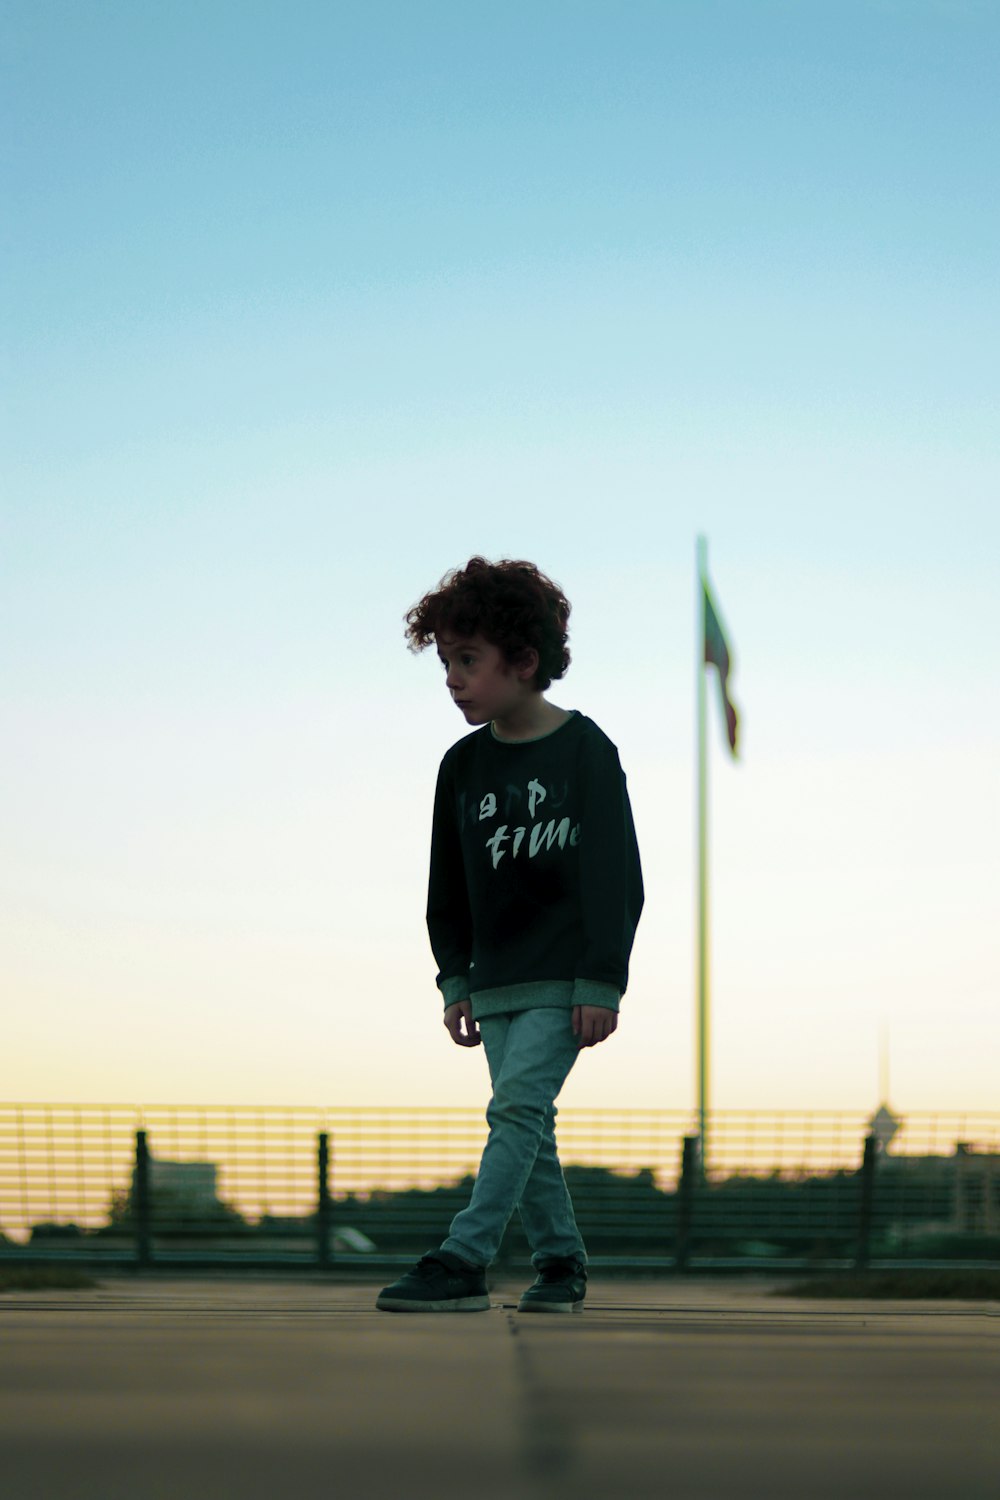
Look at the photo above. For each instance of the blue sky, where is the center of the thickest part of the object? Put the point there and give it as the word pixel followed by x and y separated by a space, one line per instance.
pixel 303 305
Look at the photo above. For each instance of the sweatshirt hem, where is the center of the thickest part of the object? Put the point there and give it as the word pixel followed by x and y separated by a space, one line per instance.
pixel 541 994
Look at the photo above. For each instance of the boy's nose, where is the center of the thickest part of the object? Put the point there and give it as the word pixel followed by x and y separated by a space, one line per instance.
pixel 452 681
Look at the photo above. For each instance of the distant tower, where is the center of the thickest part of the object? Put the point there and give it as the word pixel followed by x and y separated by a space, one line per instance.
pixel 883 1124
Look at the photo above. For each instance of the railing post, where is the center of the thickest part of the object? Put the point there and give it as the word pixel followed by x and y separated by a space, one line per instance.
pixel 323 1201
pixel 685 1202
pixel 866 1204
pixel 141 1203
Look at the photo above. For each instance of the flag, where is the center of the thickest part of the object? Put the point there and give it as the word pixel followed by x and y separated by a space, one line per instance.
pixel 717 655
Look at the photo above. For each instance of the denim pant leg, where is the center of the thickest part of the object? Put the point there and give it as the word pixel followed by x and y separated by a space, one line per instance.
pixel 530 1054
pixel 546 1207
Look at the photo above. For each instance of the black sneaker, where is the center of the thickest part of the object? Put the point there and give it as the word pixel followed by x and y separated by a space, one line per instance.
pixel 439 1282
pixel 560 1288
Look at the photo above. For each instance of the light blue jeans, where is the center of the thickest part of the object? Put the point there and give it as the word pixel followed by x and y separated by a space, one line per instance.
pixel 530 1054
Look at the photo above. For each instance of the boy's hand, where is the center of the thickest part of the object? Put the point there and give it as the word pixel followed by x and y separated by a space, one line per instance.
pixel 593 1024
pixel 454 1017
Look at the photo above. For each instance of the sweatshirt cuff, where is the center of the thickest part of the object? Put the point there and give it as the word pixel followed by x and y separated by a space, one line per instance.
pixel 595 992
pixel 454 989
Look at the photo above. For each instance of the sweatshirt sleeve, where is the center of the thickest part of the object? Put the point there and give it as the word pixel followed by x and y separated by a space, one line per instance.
pixel 611 891
pixel 449 920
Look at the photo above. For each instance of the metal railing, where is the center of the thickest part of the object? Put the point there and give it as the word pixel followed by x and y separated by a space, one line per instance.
pixel 217 1185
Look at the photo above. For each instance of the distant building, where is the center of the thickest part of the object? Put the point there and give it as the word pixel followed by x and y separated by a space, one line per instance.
pixel 186 1185
pixel 938 1194
pixel 977 1191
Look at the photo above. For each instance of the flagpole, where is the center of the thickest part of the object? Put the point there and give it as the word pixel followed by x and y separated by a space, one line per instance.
pixel 701 559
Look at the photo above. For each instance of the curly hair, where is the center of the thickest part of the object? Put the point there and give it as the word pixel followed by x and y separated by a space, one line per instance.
pixel 511 604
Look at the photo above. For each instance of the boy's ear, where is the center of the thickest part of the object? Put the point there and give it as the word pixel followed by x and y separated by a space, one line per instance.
pixel 526 665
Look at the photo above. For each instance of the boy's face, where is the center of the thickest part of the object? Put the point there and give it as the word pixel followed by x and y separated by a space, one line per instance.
pixel 482 683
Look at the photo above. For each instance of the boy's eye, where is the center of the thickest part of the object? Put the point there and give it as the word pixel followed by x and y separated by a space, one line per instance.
pixel 465 660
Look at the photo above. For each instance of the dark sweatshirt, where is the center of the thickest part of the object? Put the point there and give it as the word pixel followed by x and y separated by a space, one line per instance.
pixel 535 882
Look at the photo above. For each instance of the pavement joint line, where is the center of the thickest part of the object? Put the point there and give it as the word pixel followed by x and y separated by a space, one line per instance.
pixel 178 1307
pixel 545 1441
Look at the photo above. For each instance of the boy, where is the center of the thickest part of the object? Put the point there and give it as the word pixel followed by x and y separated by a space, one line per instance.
pixel 535 894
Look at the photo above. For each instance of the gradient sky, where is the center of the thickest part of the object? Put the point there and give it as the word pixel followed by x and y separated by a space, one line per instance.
pixel 306 303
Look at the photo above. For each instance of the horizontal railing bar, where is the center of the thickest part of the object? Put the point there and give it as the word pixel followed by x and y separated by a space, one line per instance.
pixel 380 1110
pixel 818 1124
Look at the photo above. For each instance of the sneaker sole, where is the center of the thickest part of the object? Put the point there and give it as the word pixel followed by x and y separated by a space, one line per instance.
pixel 445 1305
pixel 550 1307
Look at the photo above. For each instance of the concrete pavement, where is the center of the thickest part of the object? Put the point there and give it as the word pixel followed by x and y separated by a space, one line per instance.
pixel 186 1390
